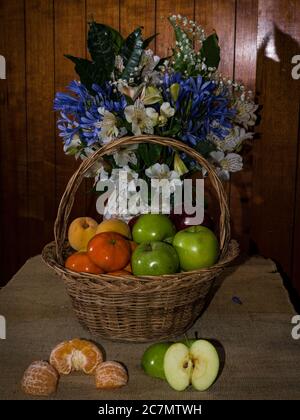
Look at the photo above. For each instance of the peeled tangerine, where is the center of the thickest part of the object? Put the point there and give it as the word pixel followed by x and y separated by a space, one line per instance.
pixel 76 354
pixel 40 379
pixel 110 375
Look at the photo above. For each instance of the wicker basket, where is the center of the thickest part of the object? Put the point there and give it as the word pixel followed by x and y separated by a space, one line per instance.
pixel 133 308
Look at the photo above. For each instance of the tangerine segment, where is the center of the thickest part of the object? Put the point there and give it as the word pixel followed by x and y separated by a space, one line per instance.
pixel 76 355
pixel 109 251
pixel 40 379
pixel 110 375
pixel 81 263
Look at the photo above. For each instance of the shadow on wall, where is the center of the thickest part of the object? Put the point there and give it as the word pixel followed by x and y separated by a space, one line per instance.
pixel 274 180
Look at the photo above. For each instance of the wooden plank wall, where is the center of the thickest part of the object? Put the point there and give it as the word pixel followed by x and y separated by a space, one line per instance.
pixel 258 39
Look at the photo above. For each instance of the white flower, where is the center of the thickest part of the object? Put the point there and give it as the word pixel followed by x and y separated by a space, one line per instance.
pixel 132 91
pixel 142 119
pixel 245 113
pixel 232 162
pixel 73 146
pixel 118 199
pixel 162 171
pixel 129 178
pixel 98 167
pixel 166 111
pixel 148 61
pixel 109 129
pixel 233 140
pixel 126 155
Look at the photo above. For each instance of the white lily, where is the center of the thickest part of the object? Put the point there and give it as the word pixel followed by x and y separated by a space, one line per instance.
pixel 143 119
pixel 233 140
pixel 162 171
pixel 245 112
pixel 121 193
pixel 126 155
pixel 166 111
pixel 109 129
pixel 232 162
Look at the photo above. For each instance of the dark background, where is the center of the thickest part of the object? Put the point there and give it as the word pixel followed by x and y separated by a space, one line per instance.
pixel 258 39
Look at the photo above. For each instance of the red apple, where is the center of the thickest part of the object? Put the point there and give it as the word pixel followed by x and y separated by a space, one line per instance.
pixel 133 221
pixel 180 220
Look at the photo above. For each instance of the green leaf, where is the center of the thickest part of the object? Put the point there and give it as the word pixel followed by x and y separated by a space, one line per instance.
pixel 149 153
pixel 88 71
pixel 149 40
pixel 101 48
pixel 211 50
pixel 204 148
pixel 131 52
pixel 97 30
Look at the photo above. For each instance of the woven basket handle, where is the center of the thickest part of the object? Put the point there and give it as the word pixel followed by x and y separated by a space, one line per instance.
pixel 67 201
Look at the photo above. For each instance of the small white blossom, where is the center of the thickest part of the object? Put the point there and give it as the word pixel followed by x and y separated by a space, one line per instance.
pixel 109 129
pixel 162 171
pixel 121 193
pixel 74 145
pixel 166 111
pixel 233 140
pixel 232 162
pixel 126 155
pixel 245 113
pixel 143 119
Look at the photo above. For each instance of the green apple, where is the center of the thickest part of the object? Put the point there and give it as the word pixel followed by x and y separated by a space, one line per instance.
pixel 169 240
pixel 188 341
pixel 152 227
pixel 154 259
pixel 197 365
pixel 153 360
pixel 197 247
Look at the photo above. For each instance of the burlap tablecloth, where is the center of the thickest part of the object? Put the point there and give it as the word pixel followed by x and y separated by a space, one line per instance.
pixel 262 360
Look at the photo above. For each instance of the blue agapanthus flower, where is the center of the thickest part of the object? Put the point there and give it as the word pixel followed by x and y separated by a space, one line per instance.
pixel 80 110
pixel 198 108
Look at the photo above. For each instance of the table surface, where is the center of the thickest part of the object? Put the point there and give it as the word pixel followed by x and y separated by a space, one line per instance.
pixel 262 360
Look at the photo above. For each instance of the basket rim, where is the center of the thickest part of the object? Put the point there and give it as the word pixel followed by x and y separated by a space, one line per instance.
pixel 50 259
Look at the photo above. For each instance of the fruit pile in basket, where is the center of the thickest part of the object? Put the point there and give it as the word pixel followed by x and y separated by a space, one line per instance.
pixel 149 245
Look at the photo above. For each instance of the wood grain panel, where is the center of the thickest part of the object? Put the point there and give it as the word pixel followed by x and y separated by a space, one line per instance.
pixel 164 9
pixel 244 71
pixel 275 154
pixel 219 15
pixel 104 11
pixel 13 144
pixel 40 122
pixel 70 38
pixel 296 227
pixel 134 13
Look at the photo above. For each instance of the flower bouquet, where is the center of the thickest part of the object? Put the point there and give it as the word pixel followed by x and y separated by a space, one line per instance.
pixel 125 89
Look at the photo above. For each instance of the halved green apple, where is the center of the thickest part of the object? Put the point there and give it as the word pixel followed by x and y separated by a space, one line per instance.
pixel 197 365
pixel 153 360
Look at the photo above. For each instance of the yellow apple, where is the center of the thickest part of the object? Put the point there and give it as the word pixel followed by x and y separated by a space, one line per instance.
pixel 81 230
pixel 114 225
